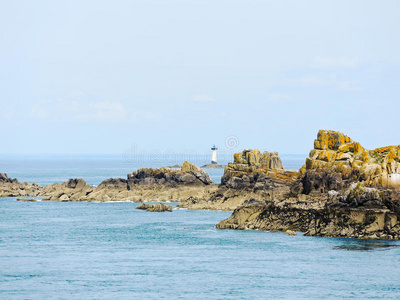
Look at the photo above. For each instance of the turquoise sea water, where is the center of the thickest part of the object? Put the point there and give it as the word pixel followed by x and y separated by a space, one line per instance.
pixel 57 250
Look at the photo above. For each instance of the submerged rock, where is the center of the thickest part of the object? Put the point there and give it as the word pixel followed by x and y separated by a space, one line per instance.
pixel 27 199
pixel 290 232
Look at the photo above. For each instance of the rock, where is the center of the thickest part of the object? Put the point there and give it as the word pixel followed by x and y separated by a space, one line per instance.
pixel 63 198
pixel 13 188
pixel 73 190
pixel 160 207
pixel 343 190
pixel 75 183
pixel 189 174
pixel 290 232
pixel 27 199
pixel 114 183
pixel 199 173
pixel 144 206
pixel 5 178
pixel 315 220
pixel 253 170
pixel 337 161
pixel 332 195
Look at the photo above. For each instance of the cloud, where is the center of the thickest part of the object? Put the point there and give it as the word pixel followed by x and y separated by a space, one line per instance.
pixel 79 111
pixel 203 98
pixel 279 97
pixel 333 63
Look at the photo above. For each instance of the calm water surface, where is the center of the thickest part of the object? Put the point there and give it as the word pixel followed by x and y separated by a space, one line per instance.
pixel 55 250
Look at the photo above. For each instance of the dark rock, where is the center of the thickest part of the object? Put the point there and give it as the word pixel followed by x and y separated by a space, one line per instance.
pixel 322 181
pixel 114 183
pixel 75 183
pixel 144 206
pixel 160 207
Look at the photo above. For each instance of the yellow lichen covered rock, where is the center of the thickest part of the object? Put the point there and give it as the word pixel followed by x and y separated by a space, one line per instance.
pixel 252 169
pixel 330 140
pixel 335 152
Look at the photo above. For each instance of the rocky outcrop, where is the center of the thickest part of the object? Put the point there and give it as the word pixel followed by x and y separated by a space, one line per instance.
pixel 189 174
pixel 159 207
pixel 252 176
pixel 144 185
pixel 252 169
pixel 72 190
pixel 144 206
pixel 5 179
pixel 337 161
pixel 357 213
pixel 343 190
pixel 13 188
pixel 149 184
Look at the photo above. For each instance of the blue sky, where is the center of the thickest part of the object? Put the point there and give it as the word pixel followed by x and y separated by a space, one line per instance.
pixel 101 76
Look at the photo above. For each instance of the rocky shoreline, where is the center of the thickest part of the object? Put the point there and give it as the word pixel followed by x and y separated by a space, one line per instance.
pixel 144 185
pixel 343 190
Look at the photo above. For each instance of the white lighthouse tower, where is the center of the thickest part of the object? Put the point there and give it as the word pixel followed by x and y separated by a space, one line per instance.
pixel 214 155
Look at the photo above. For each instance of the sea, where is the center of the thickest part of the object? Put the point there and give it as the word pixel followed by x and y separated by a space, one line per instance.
pixel 85 250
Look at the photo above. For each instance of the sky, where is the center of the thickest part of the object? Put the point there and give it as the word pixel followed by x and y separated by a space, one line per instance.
pixel 103 77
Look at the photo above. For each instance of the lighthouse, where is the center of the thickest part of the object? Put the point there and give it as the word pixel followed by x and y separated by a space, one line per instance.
pixel 214 155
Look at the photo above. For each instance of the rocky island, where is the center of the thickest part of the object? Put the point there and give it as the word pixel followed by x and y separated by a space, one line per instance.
pixel 343 190
pixel 143 185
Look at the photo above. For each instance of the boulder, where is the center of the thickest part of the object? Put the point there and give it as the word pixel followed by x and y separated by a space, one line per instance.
pixel 75 183
pixel 160 207
pixel 144 206
pixel 199 173
pixel 63 198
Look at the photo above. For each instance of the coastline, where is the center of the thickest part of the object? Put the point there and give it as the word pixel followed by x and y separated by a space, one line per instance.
pixel 343 190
